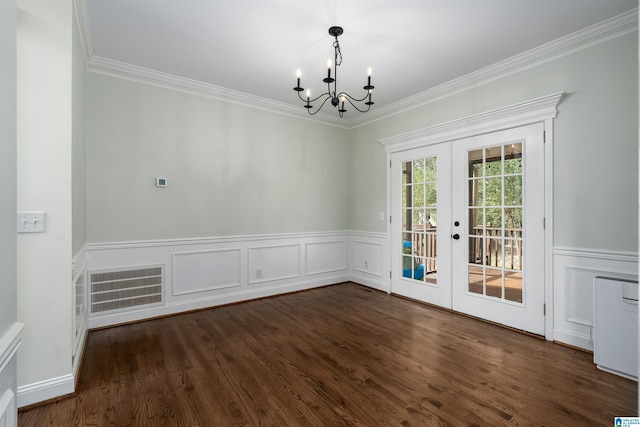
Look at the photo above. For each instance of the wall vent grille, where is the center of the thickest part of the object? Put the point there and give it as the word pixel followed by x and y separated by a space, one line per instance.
pixel 126 288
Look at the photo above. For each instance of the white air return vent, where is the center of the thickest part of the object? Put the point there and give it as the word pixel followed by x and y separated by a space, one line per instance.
pixel 125 288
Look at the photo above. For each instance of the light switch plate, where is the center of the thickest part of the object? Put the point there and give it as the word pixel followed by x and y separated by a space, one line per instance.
pixel 30 222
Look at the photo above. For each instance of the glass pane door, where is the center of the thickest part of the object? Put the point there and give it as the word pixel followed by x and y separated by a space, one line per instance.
pixel 421 213
pixel 498 249
pixel 495 221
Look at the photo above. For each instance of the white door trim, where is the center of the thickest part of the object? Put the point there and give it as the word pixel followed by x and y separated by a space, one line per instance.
pixel 539 110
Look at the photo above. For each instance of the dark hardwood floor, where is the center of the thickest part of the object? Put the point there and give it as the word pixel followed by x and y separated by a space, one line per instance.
pixel 341 355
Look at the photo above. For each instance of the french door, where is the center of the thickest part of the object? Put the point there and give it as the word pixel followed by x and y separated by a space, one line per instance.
pixel 421 217
pixel 468 226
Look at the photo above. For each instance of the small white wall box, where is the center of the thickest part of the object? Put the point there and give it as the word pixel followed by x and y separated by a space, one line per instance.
pixel 161 182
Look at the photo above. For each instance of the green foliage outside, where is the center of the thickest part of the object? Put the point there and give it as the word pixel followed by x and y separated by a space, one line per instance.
pixel 489 190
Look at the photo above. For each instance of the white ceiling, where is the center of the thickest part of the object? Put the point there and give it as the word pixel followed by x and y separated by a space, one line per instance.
pixel 255 46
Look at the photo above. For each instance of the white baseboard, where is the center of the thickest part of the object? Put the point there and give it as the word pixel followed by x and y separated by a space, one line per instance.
pixel 573 338
pixel 45 390
pixel 369 281
pixel 207 302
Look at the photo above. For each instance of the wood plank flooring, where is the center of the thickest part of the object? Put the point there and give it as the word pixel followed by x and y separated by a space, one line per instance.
pixel 341 355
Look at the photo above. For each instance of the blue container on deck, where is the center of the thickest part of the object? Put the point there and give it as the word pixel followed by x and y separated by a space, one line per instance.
pixel 418 273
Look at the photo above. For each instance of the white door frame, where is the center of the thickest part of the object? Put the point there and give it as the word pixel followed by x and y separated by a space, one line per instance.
pixel 540 110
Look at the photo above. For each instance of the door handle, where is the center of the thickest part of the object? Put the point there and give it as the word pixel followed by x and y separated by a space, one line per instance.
pixel 455 236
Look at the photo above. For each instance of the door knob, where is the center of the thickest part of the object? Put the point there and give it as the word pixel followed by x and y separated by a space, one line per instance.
pixel 455 236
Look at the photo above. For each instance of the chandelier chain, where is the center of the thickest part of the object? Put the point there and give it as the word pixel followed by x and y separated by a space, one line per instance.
pixel 336 46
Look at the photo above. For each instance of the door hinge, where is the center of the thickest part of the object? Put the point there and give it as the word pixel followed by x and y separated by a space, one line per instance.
pixel 544 223
pixel 544 137
pixel 389 162
pixel 544 309
pixel 389 219
pixel 390 274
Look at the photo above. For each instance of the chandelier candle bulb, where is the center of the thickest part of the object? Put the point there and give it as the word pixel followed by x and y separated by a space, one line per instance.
pixel 308 106
pixel 298 75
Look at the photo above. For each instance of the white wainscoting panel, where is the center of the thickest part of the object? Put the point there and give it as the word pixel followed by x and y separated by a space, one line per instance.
pixel 573 274
pixel 271 263
pixel 325 257
pixel 8 409
pixel 208 270
pixel 369 265
pixel 80 298
pixel 9 344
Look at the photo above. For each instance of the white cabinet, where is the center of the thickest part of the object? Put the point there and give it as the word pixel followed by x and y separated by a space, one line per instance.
pixel 616 326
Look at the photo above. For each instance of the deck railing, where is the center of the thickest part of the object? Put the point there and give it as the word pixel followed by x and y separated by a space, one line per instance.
pixel 424 245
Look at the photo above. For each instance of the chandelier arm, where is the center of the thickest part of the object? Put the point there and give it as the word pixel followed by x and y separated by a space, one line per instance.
pixel 321 105
pixel 314 99
pixel 349 98
pixel 346 95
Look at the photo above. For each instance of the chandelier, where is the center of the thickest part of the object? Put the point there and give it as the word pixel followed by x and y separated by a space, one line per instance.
pixel 338 99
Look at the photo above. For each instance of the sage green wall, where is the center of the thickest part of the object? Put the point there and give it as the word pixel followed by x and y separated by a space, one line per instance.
pixel 8 171
pixel 235 170
pixel 595 168
pixel 78 147
pixel 231 170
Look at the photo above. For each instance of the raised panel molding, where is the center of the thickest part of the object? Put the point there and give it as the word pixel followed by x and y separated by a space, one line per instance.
pixel 271 263
pixel 574 271
pixel 368 263
pixel 207 270
pixel 367 257
pixel 325 257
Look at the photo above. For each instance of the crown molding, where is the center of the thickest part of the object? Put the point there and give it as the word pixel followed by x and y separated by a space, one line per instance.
pixel 82 21
pixel 109 67
pixel 599 33
pixel 606 30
